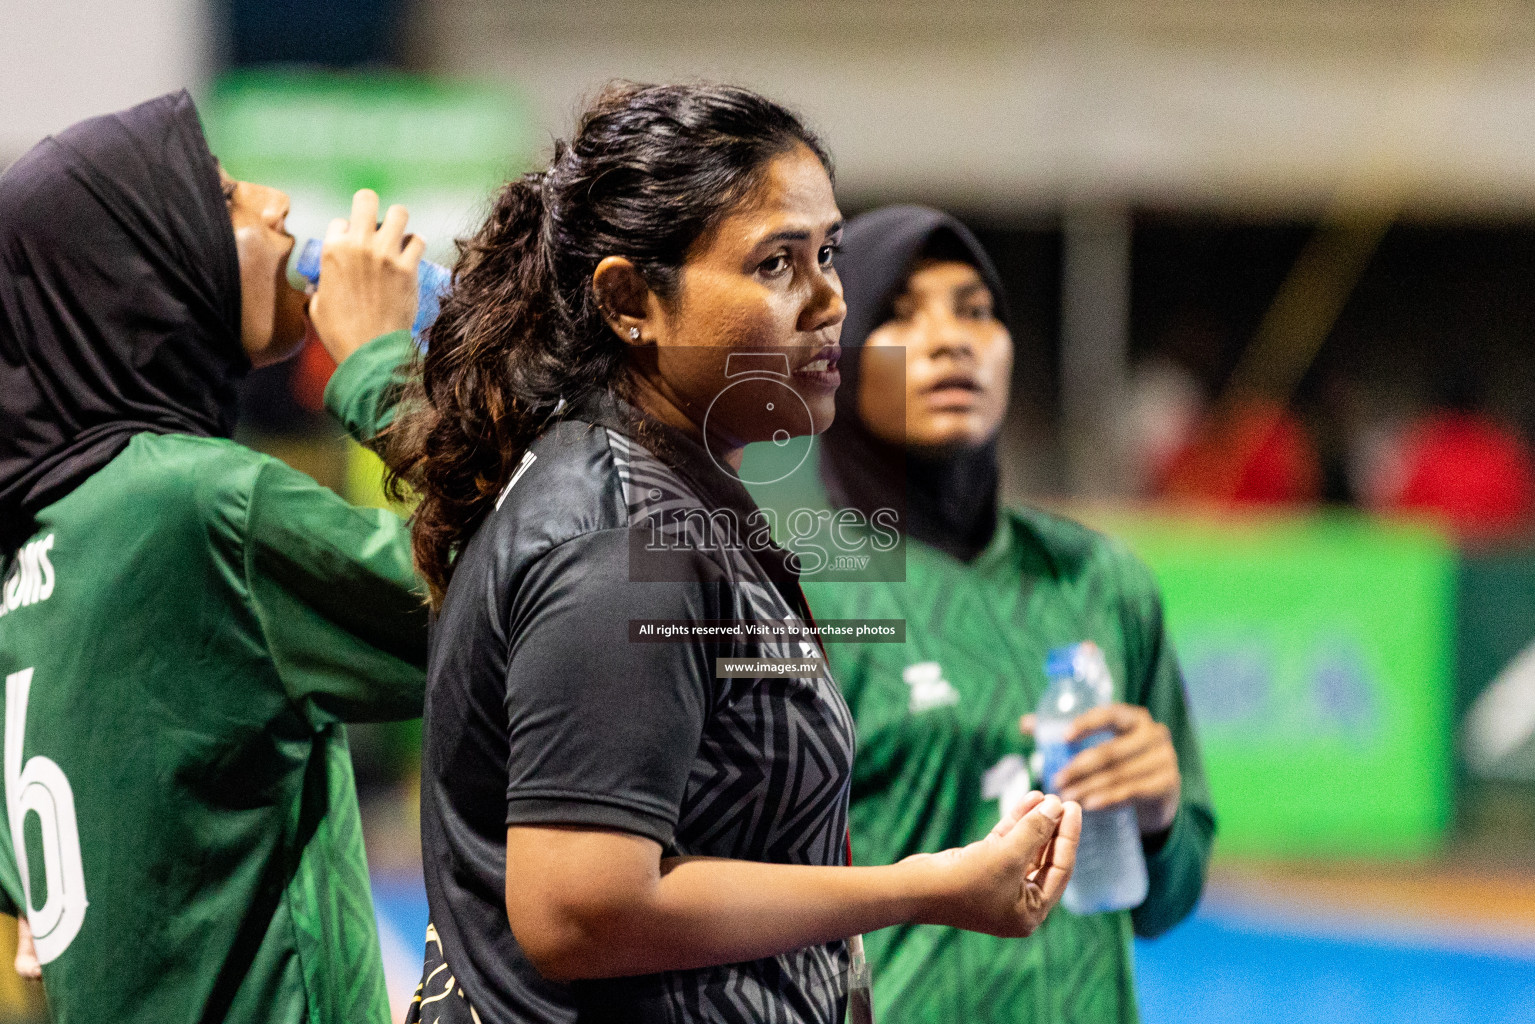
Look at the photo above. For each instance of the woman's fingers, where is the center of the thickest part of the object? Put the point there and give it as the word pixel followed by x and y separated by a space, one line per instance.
pixel 1061 856
pixel 27 965
pixel 1034 830
pixel 1120 718
pixel 1015 813
pixel 1104 757
pixel 997 892
pixel 1148 774
pixel 1147 735
pixel 1161 791
pixel 415 248
pixel 391 233
pixel 364 214
pixel 1104 797
pixel 336 230
pixel 1141 776
pixel 368 286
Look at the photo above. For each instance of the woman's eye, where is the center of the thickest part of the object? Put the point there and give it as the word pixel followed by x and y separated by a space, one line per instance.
pixel 774 264
pixel 828 255
pixel 975 313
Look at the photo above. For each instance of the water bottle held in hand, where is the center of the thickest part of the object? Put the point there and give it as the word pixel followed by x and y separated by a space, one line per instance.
pixel 1111 866
pixel 432 282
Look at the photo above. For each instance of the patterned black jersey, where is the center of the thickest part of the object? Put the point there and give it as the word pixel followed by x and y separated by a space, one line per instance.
pixel 547 704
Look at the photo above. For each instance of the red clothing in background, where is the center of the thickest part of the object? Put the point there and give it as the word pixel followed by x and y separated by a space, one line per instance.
pixel 1257 454
pixel 311 372
pixel 1468 469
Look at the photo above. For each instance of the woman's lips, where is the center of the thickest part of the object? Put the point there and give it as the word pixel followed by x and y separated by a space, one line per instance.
pixel 953 391
pixel 821 372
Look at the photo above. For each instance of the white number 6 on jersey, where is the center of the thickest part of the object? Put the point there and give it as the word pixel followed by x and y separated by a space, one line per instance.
pixel 41 788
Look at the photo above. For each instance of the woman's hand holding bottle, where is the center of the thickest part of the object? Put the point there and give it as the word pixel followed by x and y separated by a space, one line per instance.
pixel 1137 764
pixel 368 285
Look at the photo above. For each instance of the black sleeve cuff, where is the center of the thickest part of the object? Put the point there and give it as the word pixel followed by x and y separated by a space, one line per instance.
pixel 1162 847
pixel 1175 872
pixel 1153 842
pixel 592 810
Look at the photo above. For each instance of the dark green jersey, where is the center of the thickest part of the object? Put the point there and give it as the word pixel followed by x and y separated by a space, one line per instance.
pixel 939 748
pixel 181 641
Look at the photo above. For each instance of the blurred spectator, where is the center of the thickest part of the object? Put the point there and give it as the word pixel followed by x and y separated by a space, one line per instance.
pixel 311 372
pixel 1459 463
pixel 1253 452
pixel 1346 431
pixel 1165 405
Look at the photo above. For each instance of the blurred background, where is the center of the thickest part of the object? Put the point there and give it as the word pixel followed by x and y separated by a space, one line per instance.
pixel 1273 271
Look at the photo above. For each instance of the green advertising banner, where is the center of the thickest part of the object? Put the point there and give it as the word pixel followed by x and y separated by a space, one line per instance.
pixel 1319 658
pixel 438 146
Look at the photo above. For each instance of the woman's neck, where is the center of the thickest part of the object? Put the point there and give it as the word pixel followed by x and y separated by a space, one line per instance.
pixel 658 401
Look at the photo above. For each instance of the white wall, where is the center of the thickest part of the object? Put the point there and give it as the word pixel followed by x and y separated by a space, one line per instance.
pixel 1276 105
pixel 64 60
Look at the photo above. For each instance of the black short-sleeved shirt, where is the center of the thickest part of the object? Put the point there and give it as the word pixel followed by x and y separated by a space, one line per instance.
pixel 540 710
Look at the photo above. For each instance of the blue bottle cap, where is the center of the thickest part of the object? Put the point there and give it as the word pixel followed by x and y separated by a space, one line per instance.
pixel 308 264
pixel 1061 661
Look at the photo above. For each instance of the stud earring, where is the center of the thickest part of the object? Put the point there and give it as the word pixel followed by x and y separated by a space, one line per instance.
pixel 634 334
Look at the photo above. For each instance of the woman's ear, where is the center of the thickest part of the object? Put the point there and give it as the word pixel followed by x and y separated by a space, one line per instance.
pixel 625 299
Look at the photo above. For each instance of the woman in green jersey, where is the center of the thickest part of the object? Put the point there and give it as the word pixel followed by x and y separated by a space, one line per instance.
pixel 942 721
pixel 185 624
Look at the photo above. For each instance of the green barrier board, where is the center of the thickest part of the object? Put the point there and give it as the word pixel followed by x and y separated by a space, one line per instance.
pixel 1318 655
pixel 1496 628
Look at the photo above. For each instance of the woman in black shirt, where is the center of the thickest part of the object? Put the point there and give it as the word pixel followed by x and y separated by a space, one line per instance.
pixel 618 824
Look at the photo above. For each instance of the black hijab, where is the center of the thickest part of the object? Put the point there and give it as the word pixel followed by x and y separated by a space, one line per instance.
pixel 949 500
pixel 119 300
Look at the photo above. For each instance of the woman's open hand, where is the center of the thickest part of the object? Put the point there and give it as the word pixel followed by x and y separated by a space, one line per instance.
pixel 1007 883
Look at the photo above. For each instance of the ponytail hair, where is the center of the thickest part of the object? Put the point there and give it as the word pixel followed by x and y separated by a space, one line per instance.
pixel 650 169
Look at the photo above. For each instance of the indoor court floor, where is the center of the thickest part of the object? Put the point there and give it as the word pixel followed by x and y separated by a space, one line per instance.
pixel 1269 945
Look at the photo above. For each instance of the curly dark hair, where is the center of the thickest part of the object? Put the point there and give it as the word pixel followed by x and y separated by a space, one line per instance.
pixel 651 168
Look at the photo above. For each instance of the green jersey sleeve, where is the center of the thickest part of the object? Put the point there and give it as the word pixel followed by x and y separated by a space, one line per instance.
pixel 339 603
pixel 1177 863
pixel 365 388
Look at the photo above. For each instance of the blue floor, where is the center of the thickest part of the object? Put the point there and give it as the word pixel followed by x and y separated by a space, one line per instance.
pixel 1221 967
pixel 399 901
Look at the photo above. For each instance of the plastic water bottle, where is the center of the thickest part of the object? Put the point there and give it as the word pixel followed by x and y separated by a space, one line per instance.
pixel 1111 865
pixel 432 281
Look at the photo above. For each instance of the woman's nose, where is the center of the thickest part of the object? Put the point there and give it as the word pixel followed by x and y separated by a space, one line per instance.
pixel 947 336
pixel 826 307
pixel 276 208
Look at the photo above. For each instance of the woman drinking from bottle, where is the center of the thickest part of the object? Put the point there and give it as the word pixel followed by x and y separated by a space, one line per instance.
pixel 186 625
pixel 634 805
pixel 988 594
